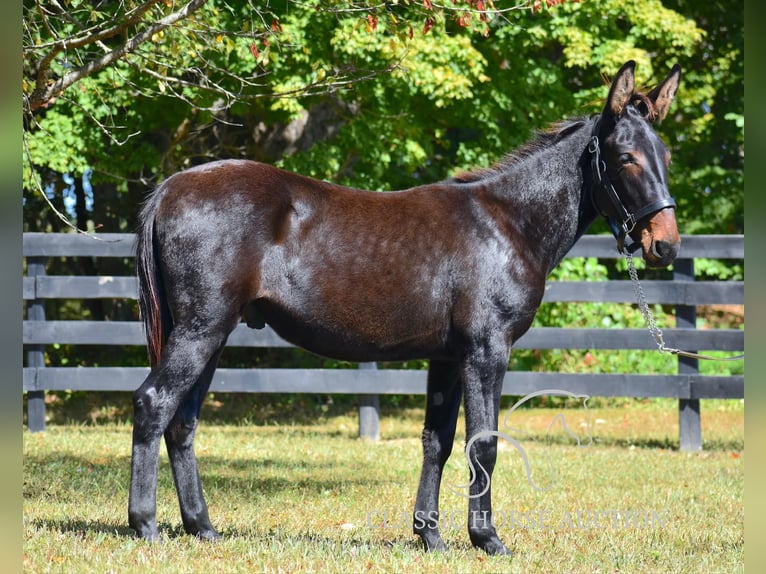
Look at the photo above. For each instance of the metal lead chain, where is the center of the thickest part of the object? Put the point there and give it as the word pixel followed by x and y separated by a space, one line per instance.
pixel 651 324
pixel 655 331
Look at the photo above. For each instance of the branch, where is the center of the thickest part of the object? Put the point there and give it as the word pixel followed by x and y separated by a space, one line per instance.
pixel 43 93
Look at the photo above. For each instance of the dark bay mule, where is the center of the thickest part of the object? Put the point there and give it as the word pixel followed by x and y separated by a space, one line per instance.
pixel 453 272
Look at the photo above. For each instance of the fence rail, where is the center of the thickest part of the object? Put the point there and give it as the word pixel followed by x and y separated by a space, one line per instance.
pixel 682 291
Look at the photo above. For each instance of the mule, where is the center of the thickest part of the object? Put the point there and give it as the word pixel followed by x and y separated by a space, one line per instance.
pixel 453 272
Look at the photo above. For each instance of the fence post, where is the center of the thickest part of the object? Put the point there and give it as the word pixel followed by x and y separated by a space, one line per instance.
pixel 36 353
pixel 689 419
pixel 369 411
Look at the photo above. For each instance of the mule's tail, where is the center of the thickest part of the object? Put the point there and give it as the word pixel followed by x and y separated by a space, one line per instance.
pixel 152 300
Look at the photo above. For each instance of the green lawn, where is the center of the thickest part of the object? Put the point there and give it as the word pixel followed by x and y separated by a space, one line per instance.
pixel 314 498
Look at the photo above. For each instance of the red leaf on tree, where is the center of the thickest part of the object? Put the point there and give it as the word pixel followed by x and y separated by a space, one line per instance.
pixel 537 5
pixel 254 50
pixel 372 22
pixel 464 20
pixel 276 27
pixel 428 25
pixel 428 5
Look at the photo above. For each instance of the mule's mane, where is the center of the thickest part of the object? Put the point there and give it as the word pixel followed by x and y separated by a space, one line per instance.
pixel 541 140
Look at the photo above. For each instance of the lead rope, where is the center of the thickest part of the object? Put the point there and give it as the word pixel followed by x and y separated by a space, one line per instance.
pixel 651 324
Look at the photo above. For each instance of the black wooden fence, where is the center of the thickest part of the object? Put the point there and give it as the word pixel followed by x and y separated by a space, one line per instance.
pixel 683 292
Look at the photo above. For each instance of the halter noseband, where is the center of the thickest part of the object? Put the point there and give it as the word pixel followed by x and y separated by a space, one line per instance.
pixel 622 221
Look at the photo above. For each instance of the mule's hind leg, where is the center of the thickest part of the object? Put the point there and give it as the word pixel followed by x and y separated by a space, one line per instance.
pixel 186 356
pixel 179 438
pixel 442 406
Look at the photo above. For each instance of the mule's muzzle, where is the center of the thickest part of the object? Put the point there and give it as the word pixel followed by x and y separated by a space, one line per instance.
pixel 664 251
pixel 660 241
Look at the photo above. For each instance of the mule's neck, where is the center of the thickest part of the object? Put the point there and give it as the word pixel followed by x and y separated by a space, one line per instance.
pixel 546 192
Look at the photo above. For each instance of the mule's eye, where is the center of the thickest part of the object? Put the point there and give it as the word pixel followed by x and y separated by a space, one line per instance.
pixel 626 158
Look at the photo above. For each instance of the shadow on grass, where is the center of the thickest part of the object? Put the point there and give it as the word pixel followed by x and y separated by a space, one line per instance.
pixel 84 527
pixel 264 477
pixel 245 476
pixel 172 532
pixel 245 480
pixel 663 443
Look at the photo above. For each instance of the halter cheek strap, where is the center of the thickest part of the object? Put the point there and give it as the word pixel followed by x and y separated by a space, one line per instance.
pixel 620 220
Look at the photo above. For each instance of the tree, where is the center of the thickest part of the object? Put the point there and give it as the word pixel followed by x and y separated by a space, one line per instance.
pixel 102 83
pixel 118 95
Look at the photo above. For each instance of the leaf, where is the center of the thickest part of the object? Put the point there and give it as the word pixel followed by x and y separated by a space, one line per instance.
pixel 428 25
pixel 372 23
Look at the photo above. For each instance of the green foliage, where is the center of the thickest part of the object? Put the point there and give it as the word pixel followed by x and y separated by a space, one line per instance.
pixel 441 97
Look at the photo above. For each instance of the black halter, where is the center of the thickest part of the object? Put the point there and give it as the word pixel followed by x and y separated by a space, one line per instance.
pixel 620 220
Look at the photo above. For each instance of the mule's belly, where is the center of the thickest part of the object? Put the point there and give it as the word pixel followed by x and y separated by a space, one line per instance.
pixel 358 333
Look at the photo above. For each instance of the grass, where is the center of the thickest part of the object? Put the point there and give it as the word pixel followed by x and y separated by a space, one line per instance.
pixel 311 497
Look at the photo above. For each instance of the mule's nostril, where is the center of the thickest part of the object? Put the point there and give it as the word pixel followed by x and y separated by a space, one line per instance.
pixel 664 250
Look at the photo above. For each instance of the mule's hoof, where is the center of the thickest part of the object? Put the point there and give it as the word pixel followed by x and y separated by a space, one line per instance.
pixel 437 546
pixel 496 548
pixel 433 543
pixel 488 541
pixel 208 535
pixel 148 534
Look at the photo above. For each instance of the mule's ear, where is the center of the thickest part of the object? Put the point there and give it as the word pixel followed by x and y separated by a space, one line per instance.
pixel 663 95
pixel 621 90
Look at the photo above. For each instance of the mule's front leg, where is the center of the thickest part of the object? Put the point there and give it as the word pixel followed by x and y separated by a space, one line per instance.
pixel 483 373
pixel 442 406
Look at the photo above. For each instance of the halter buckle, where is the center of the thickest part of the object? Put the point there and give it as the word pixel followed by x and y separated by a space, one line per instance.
pixel 593 144
pixel 629 224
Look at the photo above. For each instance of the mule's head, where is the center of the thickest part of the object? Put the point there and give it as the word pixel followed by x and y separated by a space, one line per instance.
pixel 630 167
